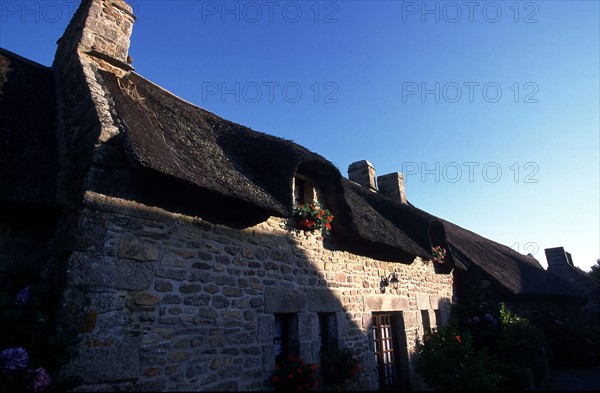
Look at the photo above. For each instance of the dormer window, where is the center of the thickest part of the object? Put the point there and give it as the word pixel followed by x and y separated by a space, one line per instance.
pixel 309 211
pixel 304 190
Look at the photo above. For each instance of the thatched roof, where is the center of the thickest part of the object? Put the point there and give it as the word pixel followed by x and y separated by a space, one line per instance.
pixel 232 168
pixel 28 143
pixel 395 230
pixel 228 162
pixel 165 134
pixel 515 273
pixel 184 156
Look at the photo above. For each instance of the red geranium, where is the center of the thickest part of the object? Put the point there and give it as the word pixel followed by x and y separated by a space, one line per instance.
pixel 313 217
pixel 292 374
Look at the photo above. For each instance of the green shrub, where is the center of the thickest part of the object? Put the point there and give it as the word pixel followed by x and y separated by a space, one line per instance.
pixel 572 338
pixel 521 347
pixel 447 360
pixel 32 352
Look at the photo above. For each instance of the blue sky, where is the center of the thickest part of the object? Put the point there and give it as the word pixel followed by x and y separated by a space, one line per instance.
pixel 490 108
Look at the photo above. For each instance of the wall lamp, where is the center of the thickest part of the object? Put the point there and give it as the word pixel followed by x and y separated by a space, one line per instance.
pixel 389 280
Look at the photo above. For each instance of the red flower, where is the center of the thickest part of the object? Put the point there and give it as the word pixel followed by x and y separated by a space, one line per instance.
pixel 313 367
pixel 290 376
pixel 458 339
pixel 307 224
pixel 312 216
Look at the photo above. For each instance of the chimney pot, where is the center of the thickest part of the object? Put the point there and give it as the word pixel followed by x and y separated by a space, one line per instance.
pixel 363 173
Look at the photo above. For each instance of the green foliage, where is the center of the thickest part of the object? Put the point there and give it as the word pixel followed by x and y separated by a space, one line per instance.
pixel 521 340
pixel 447 360
pixel 505 351
pixel 573 339
pixel 439 254
pixel 293 375
pixel 313 217
pixel 522 347
pixel 339 367
pixel 28 327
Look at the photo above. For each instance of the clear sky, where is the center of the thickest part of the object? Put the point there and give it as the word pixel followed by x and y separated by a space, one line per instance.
pixel 490 108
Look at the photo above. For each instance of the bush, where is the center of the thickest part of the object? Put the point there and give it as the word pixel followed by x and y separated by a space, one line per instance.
pixel 32 352
pixel 447 360
pixel 515 352
pixel 522 347
pixel 339 367
pixel 573 340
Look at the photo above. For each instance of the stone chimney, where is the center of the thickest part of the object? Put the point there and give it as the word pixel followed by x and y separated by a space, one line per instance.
pixel 97 38
pixel 558 258
pixel 363 173
pixel 99 28
pixel 392 186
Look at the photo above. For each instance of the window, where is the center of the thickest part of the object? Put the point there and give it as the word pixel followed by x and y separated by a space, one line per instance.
pixel 303 190
pixel 328 332
pixel 281 339
pixel 390 349
pixel 298 190
pixel 438 317
pixel 285 336
pixel 426 320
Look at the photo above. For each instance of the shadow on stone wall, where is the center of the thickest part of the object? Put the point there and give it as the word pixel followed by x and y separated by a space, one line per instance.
pixel 167 302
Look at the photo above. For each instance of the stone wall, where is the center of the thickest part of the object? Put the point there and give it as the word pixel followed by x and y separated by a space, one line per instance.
pixel 169 302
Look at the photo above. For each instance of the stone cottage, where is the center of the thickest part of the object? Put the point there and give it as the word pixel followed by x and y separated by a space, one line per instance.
pixel 171 232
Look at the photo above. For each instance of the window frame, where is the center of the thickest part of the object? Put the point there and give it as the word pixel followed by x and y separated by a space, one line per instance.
pixel 304 190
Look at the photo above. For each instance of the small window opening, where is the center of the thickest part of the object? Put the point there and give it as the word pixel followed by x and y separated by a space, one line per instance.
pixel 281 336
pixel 426 320
pixel 328 332
pixel 438 317
pixel 303 190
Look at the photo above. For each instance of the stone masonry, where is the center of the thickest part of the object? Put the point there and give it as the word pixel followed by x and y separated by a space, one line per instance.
pixel 169 302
